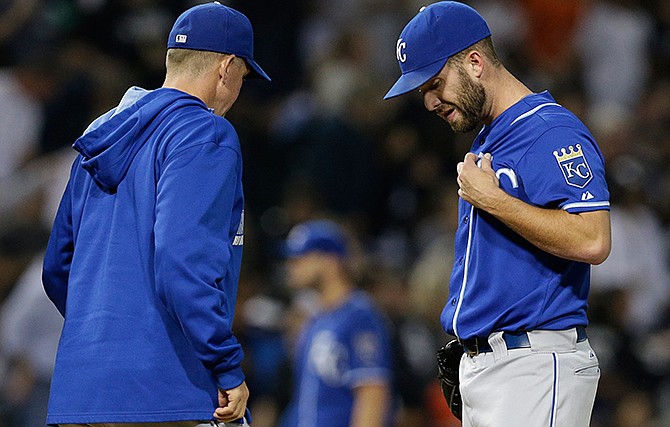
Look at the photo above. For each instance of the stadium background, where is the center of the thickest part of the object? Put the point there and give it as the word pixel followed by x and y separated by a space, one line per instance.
pixel 319 142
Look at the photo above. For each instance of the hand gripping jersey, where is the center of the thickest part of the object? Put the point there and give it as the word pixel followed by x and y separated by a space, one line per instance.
pixel 544 156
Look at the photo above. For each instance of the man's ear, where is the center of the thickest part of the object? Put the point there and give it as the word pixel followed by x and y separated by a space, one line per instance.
pixel 224 67
pixel 474 63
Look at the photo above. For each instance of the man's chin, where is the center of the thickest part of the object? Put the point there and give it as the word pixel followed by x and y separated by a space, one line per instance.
pixel 462 126
pixel 458 122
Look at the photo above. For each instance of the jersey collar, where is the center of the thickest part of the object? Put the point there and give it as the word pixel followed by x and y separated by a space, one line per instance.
pixel 525 107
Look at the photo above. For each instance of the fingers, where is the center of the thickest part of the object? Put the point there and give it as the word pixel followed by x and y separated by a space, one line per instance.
pixel 474 158
pixel 234 410
pixel 486 162
pixel 232 404
pixel 474 175
pixel 471 158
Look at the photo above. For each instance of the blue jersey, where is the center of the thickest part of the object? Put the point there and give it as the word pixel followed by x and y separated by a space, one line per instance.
pixel 544 156
pixel 143 263
pixel 338 351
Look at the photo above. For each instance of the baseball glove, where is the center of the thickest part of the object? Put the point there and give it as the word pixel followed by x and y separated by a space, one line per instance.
pixel 448 361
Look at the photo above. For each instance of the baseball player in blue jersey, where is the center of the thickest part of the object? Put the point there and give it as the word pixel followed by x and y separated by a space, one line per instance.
pixel 533 216
pixel 145 253
pixel 342 363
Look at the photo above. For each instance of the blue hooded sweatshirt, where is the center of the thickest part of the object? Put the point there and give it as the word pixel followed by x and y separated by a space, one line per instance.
pixel 143 263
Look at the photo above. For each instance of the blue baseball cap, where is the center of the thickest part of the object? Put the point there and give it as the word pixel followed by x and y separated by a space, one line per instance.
pixel 322 236
pixel 436 33
pixel 216 28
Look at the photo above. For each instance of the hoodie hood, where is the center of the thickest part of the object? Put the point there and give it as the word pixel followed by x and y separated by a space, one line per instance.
pixel 111 142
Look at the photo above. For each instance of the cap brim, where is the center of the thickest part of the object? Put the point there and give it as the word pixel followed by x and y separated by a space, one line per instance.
pixel 256 70
pixel 412 80
pixel 285 252
pixel 288 252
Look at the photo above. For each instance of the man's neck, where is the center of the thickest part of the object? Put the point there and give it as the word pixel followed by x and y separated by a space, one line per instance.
pixel 505 91
pixel 188 85
pixel 334 293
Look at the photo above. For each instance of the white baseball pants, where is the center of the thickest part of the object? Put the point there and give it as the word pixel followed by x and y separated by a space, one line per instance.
pixel 551 384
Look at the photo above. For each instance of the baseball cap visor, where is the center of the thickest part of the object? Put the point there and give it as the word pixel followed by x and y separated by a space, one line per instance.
pixel 411 80
pixel 320 244
pixel 256 70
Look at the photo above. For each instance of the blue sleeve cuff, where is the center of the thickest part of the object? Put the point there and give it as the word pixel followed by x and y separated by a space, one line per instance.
pixel 578 207
pixel 230 379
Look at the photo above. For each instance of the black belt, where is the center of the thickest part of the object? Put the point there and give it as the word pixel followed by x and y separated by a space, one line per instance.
pixel 477 345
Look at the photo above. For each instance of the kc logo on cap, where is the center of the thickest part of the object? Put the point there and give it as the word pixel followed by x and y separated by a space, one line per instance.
pixel 436 33
pixel 400 51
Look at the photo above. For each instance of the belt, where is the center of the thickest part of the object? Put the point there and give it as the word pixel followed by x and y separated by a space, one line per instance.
pixel 477 345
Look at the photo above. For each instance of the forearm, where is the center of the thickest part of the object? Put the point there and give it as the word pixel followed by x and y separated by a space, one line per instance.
pixel 371 405
pixel 583 237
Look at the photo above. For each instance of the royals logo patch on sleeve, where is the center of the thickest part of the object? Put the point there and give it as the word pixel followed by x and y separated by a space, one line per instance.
pixel 572 162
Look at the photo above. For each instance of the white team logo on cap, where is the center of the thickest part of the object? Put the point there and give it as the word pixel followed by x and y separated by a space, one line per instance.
pixel 400 50
pixel 181 38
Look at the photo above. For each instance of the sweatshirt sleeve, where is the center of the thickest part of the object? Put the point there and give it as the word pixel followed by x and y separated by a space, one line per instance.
pixel 59 252
pixel 193 268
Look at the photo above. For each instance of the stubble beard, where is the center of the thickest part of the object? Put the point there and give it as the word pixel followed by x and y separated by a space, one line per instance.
pixel 471 100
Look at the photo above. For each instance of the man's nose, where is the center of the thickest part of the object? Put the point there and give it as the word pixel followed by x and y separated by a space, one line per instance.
pixel 430 101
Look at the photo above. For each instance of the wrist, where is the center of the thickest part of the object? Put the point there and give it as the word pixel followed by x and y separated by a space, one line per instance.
pixel 497 202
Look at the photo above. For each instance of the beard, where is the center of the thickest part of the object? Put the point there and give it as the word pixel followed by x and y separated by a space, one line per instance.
pixel 471 98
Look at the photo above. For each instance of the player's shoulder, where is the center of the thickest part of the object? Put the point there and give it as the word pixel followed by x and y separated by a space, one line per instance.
pixel 361 301
pixel 559 117
pixel 556 134
pixel 217 128
pixel 543 112
pixel 196 126
pixel 361 310
pixel 548 125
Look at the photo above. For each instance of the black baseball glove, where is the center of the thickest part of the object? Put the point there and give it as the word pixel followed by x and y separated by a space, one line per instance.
pixel 448 361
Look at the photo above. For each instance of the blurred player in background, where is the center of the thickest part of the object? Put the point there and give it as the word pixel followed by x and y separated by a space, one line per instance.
pixel 144 256
pixel 343 359
pixel 533 216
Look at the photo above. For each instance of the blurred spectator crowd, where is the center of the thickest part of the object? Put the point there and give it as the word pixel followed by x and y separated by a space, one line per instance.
pixel 318 141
